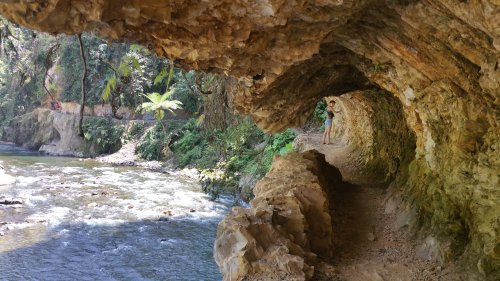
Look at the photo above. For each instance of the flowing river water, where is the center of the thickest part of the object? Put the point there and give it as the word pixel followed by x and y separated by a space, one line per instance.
pixel 82 220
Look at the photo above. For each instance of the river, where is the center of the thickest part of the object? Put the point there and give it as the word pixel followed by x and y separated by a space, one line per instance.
pixel 82 220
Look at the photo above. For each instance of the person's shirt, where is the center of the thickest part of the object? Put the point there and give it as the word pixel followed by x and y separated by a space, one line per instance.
pixel 330 114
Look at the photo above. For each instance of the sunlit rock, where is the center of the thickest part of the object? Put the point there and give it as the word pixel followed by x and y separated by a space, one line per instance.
pixel 439 58
pixel 288 226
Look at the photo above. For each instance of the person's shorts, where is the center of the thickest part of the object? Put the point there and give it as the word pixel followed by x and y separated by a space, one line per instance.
pixel 328 122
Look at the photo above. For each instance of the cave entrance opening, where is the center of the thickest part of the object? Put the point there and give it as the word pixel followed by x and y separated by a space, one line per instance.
pixel 370 138
pixel 370 144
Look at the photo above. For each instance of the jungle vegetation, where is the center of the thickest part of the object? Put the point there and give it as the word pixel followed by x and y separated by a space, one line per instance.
pixel 38 69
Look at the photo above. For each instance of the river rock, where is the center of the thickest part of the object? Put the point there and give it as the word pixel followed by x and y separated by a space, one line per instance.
pixel 10 202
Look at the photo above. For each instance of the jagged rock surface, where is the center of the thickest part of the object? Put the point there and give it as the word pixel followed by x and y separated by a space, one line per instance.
pixel 288 226
pixel 32 130
pixel 440 58
pixel 50 132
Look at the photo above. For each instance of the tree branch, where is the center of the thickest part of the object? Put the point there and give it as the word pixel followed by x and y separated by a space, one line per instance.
pixel 84 92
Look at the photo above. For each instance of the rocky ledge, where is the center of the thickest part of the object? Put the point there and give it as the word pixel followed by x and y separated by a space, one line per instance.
pixel 289 227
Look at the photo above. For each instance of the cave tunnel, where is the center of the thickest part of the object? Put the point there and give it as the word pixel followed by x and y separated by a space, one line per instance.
pixel 371 139
pixel 417 84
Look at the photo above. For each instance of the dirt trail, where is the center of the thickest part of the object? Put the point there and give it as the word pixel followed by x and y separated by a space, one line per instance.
pixel 367 244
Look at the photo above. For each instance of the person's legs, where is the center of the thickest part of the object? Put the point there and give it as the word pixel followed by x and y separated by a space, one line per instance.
pixel 329 132
pixel 326 134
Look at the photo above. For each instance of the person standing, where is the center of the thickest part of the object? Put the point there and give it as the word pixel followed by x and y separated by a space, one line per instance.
pixel 328 122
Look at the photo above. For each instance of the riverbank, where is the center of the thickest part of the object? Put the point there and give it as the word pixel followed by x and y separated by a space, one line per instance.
pixel 127 156
pixel 228 161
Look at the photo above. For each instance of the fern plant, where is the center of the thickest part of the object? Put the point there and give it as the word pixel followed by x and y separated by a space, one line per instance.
pixel 158 104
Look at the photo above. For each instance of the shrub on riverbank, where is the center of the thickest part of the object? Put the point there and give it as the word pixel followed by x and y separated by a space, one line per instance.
pixel 103 133
pixel 136 131
pixel 152 146
pixel 225 157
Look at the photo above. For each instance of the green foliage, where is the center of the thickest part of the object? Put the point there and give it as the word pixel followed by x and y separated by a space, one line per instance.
pixel 154 143
pixel 22 59
pixel 185 92
pixel 193 148
pixel 281 140
pixel 241 149
pixel 288 148
pixel 320 113
pixel 103 133
pixel 110 86
pixel 320 110
pixel 158 104
pixel 136 131
pixel 159 78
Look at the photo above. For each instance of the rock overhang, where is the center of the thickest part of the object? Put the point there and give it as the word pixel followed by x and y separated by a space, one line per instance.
pixel 288 50
pixel 440 58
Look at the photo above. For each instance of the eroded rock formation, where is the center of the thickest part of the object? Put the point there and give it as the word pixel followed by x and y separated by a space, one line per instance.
pixel 32 130
pixel 50 132
pixel 373 135
pixel 439 58
pixel 288 226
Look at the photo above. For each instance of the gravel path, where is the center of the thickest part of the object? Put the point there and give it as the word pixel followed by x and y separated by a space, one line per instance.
pixel 368 245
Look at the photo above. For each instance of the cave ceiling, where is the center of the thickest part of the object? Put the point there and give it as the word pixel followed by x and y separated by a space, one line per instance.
pixel 284 55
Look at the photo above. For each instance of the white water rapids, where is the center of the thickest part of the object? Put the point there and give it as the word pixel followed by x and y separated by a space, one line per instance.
pixel 81 220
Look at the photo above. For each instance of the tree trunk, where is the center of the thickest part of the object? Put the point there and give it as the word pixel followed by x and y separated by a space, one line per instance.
pixel 84 92
pixel 48 64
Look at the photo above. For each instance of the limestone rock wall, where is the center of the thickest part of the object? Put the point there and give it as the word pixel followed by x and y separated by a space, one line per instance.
pixel 288 226
pixel 50 132
pixel 32 130
pixel 67 142
pixel 372 127
pixel 440 58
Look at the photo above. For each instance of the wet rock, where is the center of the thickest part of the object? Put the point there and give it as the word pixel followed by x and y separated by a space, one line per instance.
pixel 35 220
pixel 192 210
pixel 163 219
pixel 246 185
pixel 10 202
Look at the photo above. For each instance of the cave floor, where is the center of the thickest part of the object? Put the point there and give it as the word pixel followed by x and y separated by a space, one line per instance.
pixel 367 244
